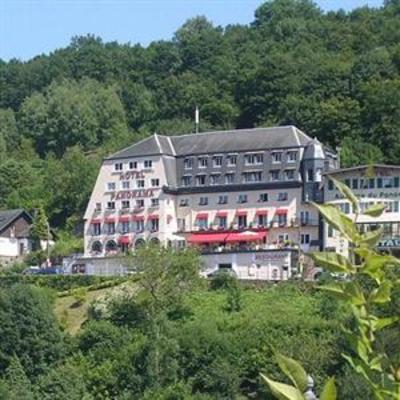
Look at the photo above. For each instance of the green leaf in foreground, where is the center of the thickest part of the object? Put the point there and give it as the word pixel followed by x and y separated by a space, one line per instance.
pixel 293 370
pixel 329 391
pixel 282 391
pixel 346 192
pixel 333 262
pixel 375 210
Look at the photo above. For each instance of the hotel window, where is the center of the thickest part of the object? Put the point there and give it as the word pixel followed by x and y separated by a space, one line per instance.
pixel 110 228
pixel 184 202
pixel 242 198
pixel 96 229
pixel 188 163
pixel 125 204
pixel 379 183
pixel 274 175
pixel 276 157
pixel 200 180
pixel 305 238
pixel 140 203
pixel 347 182
pixel 289 174
pixel 118 167
pixel 253 159
pixel 263 197
pixel 217 161
pixel 155 202
pixel 364 183
pixel 139 226
pixel 282 196
pixel 181 224
pixel 282 219
pixel 331 186
pixel 125 185
pixel 223 199
pixel 222 222
pixel 203 201
pixel 125 227
pixel 254 176
pixel 111 186
pixel 387 182
pixel 262 220
pixel 242 221
pixel 202 223
pixel 155 182
pixel 231 160
pixel 283 237
pixel 202 162
pixel 214 179
pixel 310 175
pixel 291 156
pixel 304 217
pixel 154 225
pixel 371 184
pixel 111 205
pixel 229 178
pixel 148 163
pixel 140 183
pixel 355 184
pixel 98 207
pixel 133 165
pixel 186 180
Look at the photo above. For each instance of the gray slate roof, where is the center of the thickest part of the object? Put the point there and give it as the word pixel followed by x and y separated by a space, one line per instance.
pixel 7 217
pixel 217 142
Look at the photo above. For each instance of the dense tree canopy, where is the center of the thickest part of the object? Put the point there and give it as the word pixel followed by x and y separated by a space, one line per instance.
pixel 336 75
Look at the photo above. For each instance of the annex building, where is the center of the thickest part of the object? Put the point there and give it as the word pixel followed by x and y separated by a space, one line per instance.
pixel 372 184
pixel 241 196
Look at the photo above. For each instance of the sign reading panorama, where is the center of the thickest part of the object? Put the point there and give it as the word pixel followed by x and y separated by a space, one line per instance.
pixel 373 195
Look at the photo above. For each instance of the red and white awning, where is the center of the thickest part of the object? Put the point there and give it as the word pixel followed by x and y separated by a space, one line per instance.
pixel 110 220
pixel 124 240
pixel 281 211
pixel 241 213
pixel 222 214
pixel 96 221
pixel 262 212
pixel 124 218
pixel 202 216
pixel 200 238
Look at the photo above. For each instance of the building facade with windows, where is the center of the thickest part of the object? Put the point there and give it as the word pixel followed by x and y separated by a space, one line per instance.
pixel 242 197
pixel 371 184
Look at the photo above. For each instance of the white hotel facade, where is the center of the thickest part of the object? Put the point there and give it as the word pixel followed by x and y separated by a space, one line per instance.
pixel 242 197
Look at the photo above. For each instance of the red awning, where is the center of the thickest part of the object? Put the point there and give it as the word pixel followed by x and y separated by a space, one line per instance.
pixel 222 213
pixel 241 213
pixel 96 221
pixel 124 218
pixel 138 217
pixel 281 211
pixel 202 216
pixel 110 220
pixel 261 212
pixel 124 240
pixel 247 236
pixel 207 238
pixel 153 216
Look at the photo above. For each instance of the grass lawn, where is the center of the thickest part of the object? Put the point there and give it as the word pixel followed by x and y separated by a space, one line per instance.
pixel 72 317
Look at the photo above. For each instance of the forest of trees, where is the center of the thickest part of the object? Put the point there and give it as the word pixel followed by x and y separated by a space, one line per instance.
pixel 335 75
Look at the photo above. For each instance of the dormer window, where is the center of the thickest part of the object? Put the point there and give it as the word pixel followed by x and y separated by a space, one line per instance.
pixel 217 161
pixel 277 157
pixel 253 159
pixel 203 162
pixel 188 163
pixel 291 156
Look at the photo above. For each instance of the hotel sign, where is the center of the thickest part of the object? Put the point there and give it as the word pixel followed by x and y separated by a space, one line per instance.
pixel 388 243
pixel 374 195
pixel 132 194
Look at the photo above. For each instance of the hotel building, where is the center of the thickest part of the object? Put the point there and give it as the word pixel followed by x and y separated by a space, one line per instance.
pixel 372 184
pixel 241 196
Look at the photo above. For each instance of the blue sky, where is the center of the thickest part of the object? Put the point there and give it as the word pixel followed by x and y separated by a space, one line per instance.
pixel 32 27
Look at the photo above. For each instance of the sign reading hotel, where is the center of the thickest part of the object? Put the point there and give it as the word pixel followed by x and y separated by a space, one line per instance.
pixel 389 243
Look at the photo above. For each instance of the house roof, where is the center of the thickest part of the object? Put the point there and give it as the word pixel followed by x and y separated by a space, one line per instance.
pixel 7 217
pixel 218 141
